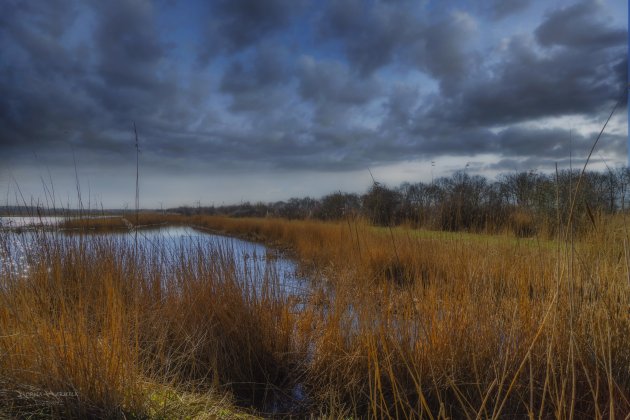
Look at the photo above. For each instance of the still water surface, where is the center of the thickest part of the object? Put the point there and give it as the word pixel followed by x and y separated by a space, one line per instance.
pixel 167 247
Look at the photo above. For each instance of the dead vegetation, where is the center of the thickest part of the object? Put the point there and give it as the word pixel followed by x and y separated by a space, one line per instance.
pixel 395 324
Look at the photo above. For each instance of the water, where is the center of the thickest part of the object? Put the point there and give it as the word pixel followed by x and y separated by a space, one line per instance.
pixel 254 262
pixel 168 246
pixel 29 221
pixel 171 250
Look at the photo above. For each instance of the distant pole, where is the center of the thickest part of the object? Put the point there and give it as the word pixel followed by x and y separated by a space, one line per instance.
pixel 135 130
pixel 628 86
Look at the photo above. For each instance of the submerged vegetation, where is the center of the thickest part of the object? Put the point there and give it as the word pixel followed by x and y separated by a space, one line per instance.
pixel 396 322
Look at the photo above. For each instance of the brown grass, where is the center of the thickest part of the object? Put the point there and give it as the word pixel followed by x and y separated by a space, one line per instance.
pixel 98 224
pixel 91 324
pixel 146 220
pixel 395 324
pixel 423 326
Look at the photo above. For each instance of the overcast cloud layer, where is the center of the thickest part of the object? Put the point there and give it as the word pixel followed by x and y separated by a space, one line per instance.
pixel 296 89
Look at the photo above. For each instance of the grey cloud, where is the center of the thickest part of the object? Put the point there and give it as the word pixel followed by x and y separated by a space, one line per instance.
pixel 443 50
pixel 50 17
pixel 371 32
pixel 260 103
pixel 400 107
pixel 526 164
pixel 336 92
pixel 540 163
pixel 56 97
pixel 541 142
pixel 556 144
pixel 499 9
pixel 526 85
pixel 135 80
pixel 38 103
pixel 127 42
pixel 539 147
pixel 621 71
pixel 327 81
pixel 580 25
pixel 237 24
pixel 269 67
pixel 343 96
pixel 376 34
pixel 259 82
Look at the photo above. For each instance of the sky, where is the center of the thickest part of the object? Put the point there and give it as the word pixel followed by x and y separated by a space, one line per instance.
pixel 263 100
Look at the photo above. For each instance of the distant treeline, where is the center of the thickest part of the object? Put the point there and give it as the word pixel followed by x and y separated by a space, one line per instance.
pixel 525 203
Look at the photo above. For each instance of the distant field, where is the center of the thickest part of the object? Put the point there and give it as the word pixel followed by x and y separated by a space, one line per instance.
pixel 395 323
pixel 479 238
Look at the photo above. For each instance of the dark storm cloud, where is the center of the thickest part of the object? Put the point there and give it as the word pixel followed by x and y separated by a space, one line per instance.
pixel 552 143
pixel 50 17
pixel 519 143
pixel 376 34
pixel 127 43
pixel 256 83
pixel 400 107
pixel 332 82
pixel 85 94
pixel 236 24
pixel 581 25
pixel 370 32
pixel 134 78
pixel 37 32
pixel 303 85
pixel 499 9
pixel 528 84
pixel 36 106
pixel 336 92
pixel 443 51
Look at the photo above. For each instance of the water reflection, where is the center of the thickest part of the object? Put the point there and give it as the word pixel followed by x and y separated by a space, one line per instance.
pixel 12 222
pixel 166 247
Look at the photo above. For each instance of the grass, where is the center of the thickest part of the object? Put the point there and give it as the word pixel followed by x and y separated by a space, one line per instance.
pixel 396 323
pixel 146 220
pixel 93 319
pixel 480 238
pixel 98 224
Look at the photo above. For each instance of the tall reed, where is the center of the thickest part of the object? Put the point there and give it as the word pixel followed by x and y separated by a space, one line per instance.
pixel 93 328
pixel 396 323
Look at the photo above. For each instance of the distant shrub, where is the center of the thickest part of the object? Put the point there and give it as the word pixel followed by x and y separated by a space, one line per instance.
pixel 522 223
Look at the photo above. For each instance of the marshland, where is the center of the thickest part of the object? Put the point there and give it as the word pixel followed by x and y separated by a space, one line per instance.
pixel 172 315
pixel 338 209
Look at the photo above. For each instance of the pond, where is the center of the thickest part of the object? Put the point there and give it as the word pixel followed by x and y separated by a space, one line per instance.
pixel 167 246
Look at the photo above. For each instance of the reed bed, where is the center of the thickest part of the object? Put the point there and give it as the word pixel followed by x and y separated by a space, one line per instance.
pixel 96 224
pixel 100 328
pixel 412 325
pixel 146 220
pixel 395 324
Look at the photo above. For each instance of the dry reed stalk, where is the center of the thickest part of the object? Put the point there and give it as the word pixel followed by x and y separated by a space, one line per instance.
pixel 440 327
